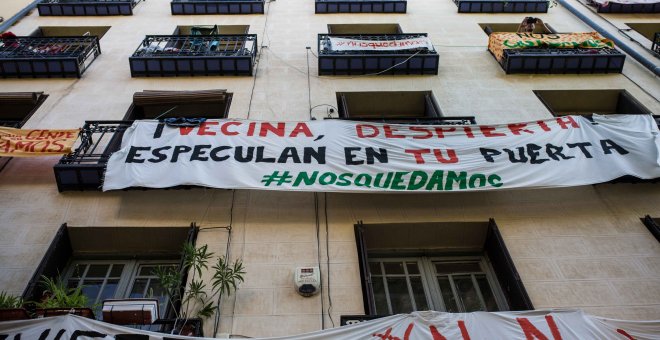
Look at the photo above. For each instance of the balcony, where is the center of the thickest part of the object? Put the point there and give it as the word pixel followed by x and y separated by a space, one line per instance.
pixel 53 57
pixel 84 168
pixel 361 6
pixel 421 60
pixel 656 43
pixel 556 53
pixel 613 7
pixel 502 6
pixel 86 7
pixel 217 6
pixel 194 55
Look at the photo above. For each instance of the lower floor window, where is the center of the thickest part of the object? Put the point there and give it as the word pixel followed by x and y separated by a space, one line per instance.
pixel 462 284
pixel 101 280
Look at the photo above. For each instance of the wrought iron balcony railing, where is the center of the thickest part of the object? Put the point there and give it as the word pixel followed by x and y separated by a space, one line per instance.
pixel 361 6
pixel 656 43
pixel 49 57
pixel 191 55
pixel 502 6
pixel 83 169
pixel 562 60
pixel 421 60
pixel 86 7
pixel 217 6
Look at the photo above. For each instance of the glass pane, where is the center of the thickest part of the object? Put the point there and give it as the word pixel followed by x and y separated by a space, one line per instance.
pixel 78 270
pixel 457 267
pixel 467 293
pixel 393 268
pixel 447 295
pixel 109 290
pixel 379 296
pixel 412 268
pixel 147 270
pixel 72 283
pixel 399 296
pixel 91 289
pixel 98 270
pixel 418 293
pixel 139 288
pixel 374 268
pixel 487 293
pixel 116 270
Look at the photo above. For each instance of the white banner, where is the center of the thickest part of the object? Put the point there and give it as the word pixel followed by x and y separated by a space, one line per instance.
pixel 344 44
pixel 336 155
pixel 556 325
pixel 625 2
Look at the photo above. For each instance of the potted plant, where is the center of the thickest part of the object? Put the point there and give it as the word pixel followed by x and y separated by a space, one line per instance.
pixel 11 308
pixel 195 299
pixel 58 299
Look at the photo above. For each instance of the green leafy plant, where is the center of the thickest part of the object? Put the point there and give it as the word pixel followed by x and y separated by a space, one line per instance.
pixel 196 298
pixel 8 301
pixel 58 295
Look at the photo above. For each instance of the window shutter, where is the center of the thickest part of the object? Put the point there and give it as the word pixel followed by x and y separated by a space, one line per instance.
pixel 367 289
pixel 192 239
pixel 52 264
pixel 506 272
pixel 653 226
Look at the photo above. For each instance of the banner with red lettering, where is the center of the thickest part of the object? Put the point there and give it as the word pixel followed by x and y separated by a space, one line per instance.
pixel 556 325
pixel 337 155
pixel 31 143
pixel 347 44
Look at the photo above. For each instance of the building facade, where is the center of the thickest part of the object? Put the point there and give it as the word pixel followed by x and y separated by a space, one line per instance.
pixel 583 247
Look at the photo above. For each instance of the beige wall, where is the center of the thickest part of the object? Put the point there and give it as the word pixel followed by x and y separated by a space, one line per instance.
pixel 574 247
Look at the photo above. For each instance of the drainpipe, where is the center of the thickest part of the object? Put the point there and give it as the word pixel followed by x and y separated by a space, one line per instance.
pixel 648 63
pixel 22 13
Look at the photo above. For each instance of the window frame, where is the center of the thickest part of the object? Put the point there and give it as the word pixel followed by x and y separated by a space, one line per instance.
pixel 429 275
pixel 131 112
pixel 622 97
pixel 434 110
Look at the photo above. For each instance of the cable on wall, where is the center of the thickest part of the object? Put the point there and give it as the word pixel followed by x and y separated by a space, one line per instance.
pixel 256 68
pixel 327 255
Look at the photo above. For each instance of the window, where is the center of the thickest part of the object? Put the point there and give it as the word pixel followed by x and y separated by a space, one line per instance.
pixel 587 102
pixel 364 29
pixel 70 31
pixel 648 30
pixel 454 285
pixel 513 27
pixel 102 280
pixel 112 262
pixel 395 104
pixel 17 107
pixel 451 266
pixel 166 104
pixel 653 225
pixel 211 29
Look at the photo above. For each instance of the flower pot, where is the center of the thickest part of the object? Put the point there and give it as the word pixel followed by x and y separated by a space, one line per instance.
pixel 47 312
pixel 13 314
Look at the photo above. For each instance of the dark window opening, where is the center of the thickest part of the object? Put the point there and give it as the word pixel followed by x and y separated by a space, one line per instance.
pixel 17 107
pixel 456 267
pixel 169 104
pixel 364 29
pixel 211 29
pixel 389 105
pixel 489 28
pixel 587 102
pixel 106 254
pixel 650 31
pixel 70 31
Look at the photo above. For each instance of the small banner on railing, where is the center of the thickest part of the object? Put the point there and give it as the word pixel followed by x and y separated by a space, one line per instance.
pixel 499 41
pixel 542 324
pixel 345 44
pixel 625 2
pixel 336 155
pixel 32 143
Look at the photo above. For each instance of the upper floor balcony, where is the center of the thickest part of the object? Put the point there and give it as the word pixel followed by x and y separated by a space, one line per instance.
pixel 502 6
pixel 555 53
pixel 375 54
pixel 86 7
pixel 217 6
pixel 47 57
pixel 604 6
pixel 361 6
pixel 194 55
